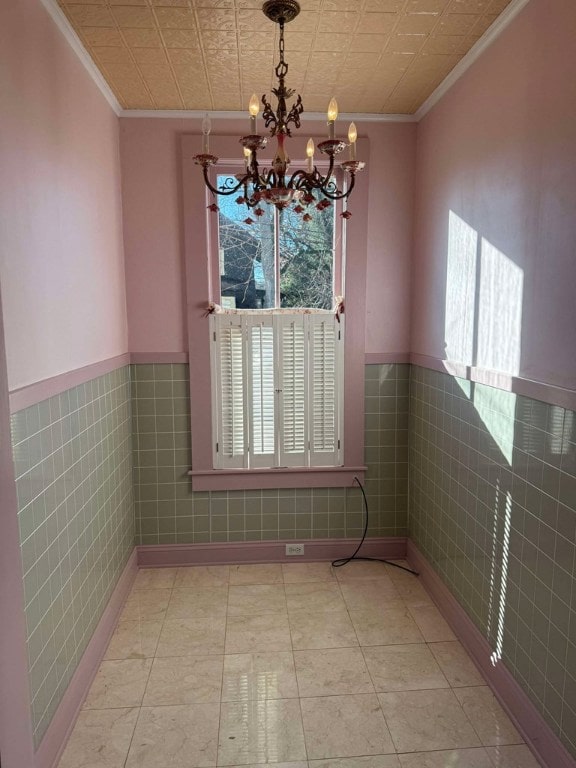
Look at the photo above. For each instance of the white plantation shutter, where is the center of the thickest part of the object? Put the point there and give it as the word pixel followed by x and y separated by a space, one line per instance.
pixel 293 378
pixel 277 387
pixel 261 394
pixel 228 375
pixel 325 341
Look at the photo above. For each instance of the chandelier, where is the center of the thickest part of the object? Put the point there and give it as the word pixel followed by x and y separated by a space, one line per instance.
pixel 274 185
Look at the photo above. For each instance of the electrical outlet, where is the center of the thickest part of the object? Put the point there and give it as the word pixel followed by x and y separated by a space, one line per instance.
pixel 294 549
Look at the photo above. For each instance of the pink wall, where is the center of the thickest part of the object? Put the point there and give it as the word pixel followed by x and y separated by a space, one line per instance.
pixel 499 152
pixel 153 230
pixel 61 260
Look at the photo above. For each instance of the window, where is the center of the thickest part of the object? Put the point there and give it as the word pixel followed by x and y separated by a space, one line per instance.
pixel 276 259
pixel 277 351
pixel 204 269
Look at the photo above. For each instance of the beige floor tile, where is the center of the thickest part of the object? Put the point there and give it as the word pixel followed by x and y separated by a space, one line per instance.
pixel 518 756
pixel 259 573
pixel 134 640
pixel 253 599
pixel 261 732
pixel 118 684
pixel 410 588
pixel 345 726
pixel 154 578
pixel 491 723
pixel 321 630
pixel 403 668
pixel 370 594
pixel 192 637
pixel 203 602
pixel 362 570
pixel 251 676
pixel 330 672
pixel 318 597
pixel 453 758
pixel 184 680
pixel 375 761
pixel 148 605
pixel 427 720
pixel 458 667
pixel 203 576
pixel 100 739
pixel 299 573
pixel 431 624
pixel 175 737
pixel 386 626
pixel 252 634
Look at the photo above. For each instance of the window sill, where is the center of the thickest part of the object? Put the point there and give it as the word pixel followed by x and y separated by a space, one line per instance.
pixel 287 477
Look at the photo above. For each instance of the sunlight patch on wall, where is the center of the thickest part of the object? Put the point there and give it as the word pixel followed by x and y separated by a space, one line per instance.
pixel 460 290
pixel 500 311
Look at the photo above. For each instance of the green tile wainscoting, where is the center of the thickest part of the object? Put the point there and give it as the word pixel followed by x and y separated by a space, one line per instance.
pixel 73 464
pixel 493 509
pixel 168 512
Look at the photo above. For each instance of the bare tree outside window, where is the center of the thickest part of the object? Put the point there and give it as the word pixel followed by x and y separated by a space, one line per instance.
pixel 251 256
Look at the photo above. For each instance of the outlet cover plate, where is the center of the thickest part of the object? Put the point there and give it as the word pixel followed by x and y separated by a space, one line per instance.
pixel 294 549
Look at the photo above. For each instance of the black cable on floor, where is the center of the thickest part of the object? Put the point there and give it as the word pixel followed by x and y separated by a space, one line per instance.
pixel 345 560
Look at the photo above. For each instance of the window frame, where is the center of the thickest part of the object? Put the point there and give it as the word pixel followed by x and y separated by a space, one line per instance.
pixel 201 289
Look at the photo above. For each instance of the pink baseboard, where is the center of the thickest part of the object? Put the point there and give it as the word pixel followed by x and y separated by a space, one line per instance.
pixel 538 735
pixel 158 555
pixel 52 745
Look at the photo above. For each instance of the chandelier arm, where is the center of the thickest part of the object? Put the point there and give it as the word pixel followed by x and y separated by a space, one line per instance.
pixel 217 191
pixel 340 195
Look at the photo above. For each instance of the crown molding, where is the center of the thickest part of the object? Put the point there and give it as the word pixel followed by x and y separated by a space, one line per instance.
pixel 194 114
pixel 74 41
pixel 477 50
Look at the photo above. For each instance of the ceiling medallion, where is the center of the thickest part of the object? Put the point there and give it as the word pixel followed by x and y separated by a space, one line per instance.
pixel 273 185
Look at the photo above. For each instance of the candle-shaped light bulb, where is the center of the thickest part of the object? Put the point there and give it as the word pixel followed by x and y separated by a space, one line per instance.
pixel 332 114
pixel 247 154
pixel 253 108
pixel 206 126
pixel 310 154
pixel 352 136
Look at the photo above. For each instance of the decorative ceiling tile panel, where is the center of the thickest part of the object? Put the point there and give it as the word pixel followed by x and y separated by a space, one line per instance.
pixel 377 56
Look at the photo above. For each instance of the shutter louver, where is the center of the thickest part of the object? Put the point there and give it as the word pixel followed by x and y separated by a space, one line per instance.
pixel 293 377
pixel 325 416
pixel 262 422
pixel 230 392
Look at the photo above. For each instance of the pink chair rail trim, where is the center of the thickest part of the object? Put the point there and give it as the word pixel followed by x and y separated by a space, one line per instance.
pixel 54 741
pixel 537 733
pixel 316 550
pixel 55 385
pixel 537 390
pixel 158 357
pixel 386 358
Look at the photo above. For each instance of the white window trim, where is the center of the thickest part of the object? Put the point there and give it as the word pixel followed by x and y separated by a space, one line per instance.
pixel 199 291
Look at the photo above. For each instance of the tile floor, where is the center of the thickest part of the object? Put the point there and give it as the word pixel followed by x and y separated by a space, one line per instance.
pixel 298 664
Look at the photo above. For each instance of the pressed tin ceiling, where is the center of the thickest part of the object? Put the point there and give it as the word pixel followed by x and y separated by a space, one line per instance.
pixel 375 56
